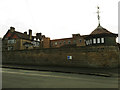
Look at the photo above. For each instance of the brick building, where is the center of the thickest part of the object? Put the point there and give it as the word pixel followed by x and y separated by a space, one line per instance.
pixel 14 40
pixel 75 40
pixel 99 36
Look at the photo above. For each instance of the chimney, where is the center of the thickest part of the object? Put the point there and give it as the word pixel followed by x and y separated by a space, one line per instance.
pixel 39 36
pixel 25 33
pixel 30 33
pixel 75 35
pixel 12 29
pixel 43 36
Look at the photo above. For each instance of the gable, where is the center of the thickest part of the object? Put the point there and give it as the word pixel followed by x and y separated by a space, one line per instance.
pixel 14 36
pixel 7 35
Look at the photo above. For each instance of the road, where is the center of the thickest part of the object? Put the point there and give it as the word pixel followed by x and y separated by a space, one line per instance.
pixel 16 78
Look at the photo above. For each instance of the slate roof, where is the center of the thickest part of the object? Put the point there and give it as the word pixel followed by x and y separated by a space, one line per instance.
pixel 61 39
pixel 21 35
pixel 18 34
pixel 100 30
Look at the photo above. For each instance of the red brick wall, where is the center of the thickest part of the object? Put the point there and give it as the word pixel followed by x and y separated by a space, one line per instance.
pixel 46 42
pixel 78 41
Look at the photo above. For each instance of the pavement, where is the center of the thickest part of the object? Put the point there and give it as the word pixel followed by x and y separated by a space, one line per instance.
pixel 105 72
pixel 15 79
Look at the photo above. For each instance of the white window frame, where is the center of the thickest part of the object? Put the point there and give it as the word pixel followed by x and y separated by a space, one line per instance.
pixel 98 40
pixel 55 43
pixel 11 41
pixel 102 40
pixel 94 40
pixel 90 41
pixel 10 48
pixel 87 42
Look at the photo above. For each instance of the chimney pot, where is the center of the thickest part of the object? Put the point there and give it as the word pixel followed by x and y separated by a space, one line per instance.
pixel 25 33
pixel 12 29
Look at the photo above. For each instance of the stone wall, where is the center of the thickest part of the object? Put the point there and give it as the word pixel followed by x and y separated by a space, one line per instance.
pixel 99 56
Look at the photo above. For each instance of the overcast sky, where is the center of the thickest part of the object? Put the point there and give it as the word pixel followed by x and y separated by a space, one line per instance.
pixel 58 18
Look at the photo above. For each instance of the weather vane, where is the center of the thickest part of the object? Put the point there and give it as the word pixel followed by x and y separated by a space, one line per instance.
pixel 98 15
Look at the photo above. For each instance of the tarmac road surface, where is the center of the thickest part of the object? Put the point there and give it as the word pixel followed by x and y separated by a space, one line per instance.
pixel 16 78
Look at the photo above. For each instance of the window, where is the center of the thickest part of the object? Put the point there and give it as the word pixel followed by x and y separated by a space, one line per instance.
pixel 35 44
pixel 90 41
pixel 74 41
pixel 55 43
pixel 87 42
pixel 80 40
pixel 10 48
pixel 11 41
pixel 51 44
pixel 102 40
pixel 6 38
pixel 98 40
pixel 60 43
pixel 94 40
pixel 64 42
pixel 69 42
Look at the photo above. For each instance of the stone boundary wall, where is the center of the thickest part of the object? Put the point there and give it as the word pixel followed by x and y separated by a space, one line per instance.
pixel 97 57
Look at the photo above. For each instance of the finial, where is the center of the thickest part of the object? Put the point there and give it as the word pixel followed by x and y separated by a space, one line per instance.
pixel 98 15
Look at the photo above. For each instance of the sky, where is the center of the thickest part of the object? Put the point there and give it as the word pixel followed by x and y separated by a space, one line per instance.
pixel 58 18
